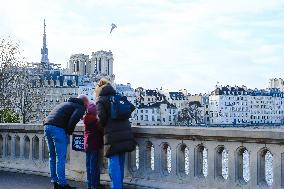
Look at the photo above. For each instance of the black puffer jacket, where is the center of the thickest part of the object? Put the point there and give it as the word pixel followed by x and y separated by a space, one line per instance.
pixel 66 115
pixel 118 136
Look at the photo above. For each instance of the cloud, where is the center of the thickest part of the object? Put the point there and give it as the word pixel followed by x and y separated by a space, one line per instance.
pixel 175 44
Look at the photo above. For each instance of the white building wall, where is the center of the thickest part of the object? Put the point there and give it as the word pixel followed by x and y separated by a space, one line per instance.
pixel 245 109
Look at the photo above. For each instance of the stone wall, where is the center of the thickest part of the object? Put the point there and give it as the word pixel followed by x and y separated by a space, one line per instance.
pixel 23 148
pixel 167 157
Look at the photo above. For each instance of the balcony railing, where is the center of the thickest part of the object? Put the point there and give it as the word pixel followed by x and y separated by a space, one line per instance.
pixel 166 157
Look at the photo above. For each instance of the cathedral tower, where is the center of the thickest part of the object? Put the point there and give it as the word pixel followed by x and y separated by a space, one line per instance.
pixel 102 63
pixel 79 64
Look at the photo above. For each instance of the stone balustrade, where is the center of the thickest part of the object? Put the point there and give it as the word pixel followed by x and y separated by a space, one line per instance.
pixel 166 157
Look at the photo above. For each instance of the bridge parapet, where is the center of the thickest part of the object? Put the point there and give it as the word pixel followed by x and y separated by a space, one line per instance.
pixel 167 157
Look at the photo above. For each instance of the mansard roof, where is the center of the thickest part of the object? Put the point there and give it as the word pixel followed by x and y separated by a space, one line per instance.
pixel 177 95
pixel 157 105
pixel 243 91
pixel 228 90
pixel 150 92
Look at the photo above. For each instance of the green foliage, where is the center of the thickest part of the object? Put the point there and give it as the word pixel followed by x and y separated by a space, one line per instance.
pixel 9 116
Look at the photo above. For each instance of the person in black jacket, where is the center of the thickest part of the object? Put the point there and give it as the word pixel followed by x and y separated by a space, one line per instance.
pixel 59 124
pixel 118 136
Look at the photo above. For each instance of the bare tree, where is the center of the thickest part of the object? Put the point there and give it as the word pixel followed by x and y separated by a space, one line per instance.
pixel 192 114
pixel 10 66
pixel 20 90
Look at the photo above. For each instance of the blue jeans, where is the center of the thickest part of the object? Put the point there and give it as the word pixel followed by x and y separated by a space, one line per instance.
pixel 116 170
pixel 93 168
pixel 57 142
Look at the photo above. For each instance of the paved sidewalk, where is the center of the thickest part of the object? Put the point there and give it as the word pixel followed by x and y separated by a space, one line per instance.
pixel 10 180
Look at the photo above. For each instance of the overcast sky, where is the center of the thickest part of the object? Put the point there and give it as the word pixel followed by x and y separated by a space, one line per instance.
pixel 176 44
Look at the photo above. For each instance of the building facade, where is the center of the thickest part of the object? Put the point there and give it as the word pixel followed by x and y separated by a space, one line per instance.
pixel 178 99
pixel 242 106
pixel 159 113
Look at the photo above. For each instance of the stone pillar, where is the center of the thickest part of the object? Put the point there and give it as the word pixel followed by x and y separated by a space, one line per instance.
pixel 71 66
pixel 4 145
pixel 31 148
pixel 174 163
pixel 81 67
pixel 41 148
pixel 157 159
pixel 111 66
pixel 278 157
pixel 76 167
pixel 253 160
pixel 22 145
pixel 141 173
pixel 13 143
pixel 210 160
pixel 231 148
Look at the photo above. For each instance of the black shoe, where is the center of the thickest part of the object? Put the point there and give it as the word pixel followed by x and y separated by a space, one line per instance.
pixel 55 185
pixel 101 186
pixel 67 186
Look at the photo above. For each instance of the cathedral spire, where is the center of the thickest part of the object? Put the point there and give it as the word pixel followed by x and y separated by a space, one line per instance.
pixel 44 50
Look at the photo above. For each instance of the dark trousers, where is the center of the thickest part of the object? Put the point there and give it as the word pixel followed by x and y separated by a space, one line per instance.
pixel 93 168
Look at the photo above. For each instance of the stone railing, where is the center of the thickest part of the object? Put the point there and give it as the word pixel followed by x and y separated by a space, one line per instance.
pixel 167 157
pixel 23 149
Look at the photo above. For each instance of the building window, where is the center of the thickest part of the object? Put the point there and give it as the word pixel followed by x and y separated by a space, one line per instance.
pixel 100 64
pixel 108 67
pixel 77 65
pixel 146 118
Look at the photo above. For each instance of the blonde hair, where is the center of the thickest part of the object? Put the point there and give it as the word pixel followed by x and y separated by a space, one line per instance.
pixel 101 83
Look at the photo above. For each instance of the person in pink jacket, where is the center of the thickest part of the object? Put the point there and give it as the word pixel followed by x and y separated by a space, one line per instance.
pixel 93 142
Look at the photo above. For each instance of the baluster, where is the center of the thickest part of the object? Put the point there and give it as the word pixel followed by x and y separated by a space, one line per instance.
pixel 5 145
pixel 142 171
pixel 174 163
pixel 22 145
pixel 13 145
pixel 41 148
pixel 282 169
pixel 210 160
pixel 31 148
pixel 232 163
pixel 253 149
pixel 157 173
pixel 276 151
